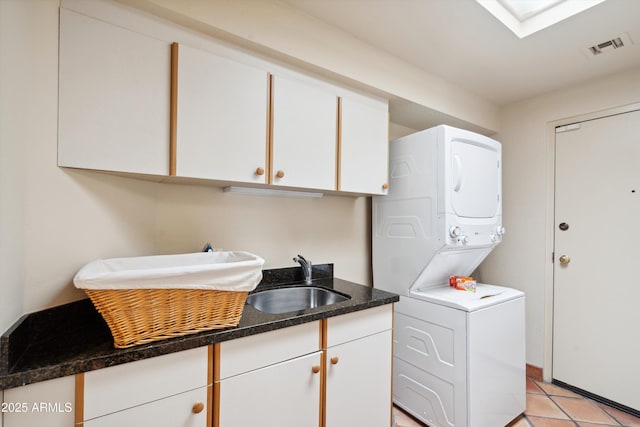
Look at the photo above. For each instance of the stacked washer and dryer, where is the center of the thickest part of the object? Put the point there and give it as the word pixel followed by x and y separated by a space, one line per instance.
pixel 459 356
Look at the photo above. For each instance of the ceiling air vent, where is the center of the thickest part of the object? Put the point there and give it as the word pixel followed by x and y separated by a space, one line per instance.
pixel 609 45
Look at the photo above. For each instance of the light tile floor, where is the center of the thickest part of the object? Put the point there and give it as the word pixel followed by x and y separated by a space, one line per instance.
pixel 551 406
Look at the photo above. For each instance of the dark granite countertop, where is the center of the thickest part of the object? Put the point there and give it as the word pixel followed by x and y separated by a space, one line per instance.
pixel 73 338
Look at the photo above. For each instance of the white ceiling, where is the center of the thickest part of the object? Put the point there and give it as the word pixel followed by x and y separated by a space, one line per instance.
pixel 462 42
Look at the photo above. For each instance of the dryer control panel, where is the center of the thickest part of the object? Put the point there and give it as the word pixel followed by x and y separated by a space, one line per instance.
pixel 461 235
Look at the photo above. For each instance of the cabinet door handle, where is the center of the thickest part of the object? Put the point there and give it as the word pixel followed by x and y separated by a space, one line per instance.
pixel 260 171
pixel 334 360
pixel 385 186
pixel 197 407
pixel 315 369
pixel 280 174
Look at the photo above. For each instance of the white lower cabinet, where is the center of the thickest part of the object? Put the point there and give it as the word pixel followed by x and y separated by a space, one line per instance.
pixel 47 403
pixel 182 410
pixel 362 369
pixel 169 390
pixel 358 366
pixel 280 395
pixel 329 373
pixel 287 378
pixel 270 379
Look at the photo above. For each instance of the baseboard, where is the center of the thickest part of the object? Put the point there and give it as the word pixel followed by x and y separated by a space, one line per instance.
pixel 589 395
pixel 534 372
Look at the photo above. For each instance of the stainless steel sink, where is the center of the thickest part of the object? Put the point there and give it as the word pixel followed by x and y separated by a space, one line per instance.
pixel 283 300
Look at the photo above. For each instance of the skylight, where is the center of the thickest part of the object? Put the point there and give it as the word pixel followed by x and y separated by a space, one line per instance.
pixel 525 9
pixel 525 17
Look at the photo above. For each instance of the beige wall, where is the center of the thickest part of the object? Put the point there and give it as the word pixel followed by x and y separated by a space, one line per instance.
pixel 12 161
pixel 330 229
pixel 523 258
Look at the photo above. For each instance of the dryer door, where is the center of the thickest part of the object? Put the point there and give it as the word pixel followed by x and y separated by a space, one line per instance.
pixel 473 184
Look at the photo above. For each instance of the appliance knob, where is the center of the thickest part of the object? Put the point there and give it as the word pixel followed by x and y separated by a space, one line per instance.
pixel 454 231
pixel 500 230
pixel 494 237
pixel 464 239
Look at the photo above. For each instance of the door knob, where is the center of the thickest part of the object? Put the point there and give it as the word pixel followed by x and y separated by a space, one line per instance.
pixel 334 360
pixel 564 259
pixel 315 369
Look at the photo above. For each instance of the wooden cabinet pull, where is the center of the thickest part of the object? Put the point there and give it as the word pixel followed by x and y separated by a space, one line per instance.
pixel 260 171
pixel 385 186
pixel 334 360
pixel 197 407
pixel 315 369
pixel 280 174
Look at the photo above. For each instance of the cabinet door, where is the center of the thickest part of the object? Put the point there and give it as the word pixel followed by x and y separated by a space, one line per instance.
pixel 359 382
pixel 48 403
pixel 132 384
pixel 114 90
pixel 280 395
pixel 304 126
pixel 239 355
pixel 222 118
pixel 174 411
pixel 359 324
pixel 364 146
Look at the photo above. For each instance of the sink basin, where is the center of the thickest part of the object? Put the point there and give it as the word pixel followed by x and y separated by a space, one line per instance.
pixel 283 300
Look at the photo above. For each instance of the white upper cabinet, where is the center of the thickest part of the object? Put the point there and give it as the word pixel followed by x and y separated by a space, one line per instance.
pixel 364 145
pixel 222 118
pixel 114 89
pixel 130 101
pixel 304 134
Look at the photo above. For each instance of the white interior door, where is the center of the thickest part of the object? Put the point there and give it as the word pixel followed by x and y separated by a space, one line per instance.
pixel 596 290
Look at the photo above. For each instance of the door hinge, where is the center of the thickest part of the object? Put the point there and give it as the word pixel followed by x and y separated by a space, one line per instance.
pixel 567 128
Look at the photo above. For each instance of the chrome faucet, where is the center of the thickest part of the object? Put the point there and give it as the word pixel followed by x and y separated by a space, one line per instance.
pixel 306 268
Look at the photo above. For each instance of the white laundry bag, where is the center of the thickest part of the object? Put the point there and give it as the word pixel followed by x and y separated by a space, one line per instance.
pixel 225 271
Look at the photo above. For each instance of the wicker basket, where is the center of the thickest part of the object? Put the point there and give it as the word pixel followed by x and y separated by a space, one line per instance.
pixel 140 315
